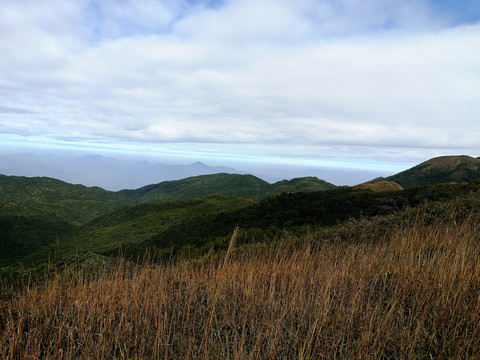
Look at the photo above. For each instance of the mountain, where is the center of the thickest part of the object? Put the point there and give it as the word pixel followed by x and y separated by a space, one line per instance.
pixel 302 184
pixel 197 225
pixel 438 170
pixel 394 274
pixel 75 204
pixel 35 211
pixel 247 186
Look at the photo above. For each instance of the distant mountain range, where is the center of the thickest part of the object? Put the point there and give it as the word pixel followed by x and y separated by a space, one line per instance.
pixel 131 172
pixel 438 170
pixel 107 172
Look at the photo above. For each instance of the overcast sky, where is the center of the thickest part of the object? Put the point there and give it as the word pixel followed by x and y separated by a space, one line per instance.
pixel 347 83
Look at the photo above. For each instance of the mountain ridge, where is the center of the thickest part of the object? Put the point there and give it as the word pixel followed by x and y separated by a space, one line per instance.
pixel 243 185
pixel 441 169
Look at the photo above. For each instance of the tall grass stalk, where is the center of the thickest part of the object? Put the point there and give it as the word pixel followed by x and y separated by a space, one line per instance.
pixel 411 294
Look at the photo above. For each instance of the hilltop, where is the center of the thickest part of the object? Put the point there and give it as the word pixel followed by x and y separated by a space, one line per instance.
pixel 438 170
pixel 247 186
pixel 72 203
pixel 379 186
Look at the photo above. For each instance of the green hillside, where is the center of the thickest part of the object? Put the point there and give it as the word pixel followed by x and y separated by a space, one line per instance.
pixel 440 170
pixel 403 286
pixel 303 184
pixel 35 211
pixel 133 225
pixel 247 186
pixel 292 211
pixel 43 216
pixel 75 204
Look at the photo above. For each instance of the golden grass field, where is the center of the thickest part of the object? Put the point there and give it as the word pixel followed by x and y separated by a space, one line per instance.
pixel 413 293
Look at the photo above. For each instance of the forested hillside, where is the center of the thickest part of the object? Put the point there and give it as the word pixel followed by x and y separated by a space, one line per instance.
pixel 247 186
pixel 438 170
pixel 36 212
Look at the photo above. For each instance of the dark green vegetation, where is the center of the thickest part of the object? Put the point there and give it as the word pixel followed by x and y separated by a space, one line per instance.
pixel 76 204
pixel 294 212
pixel 35 212
pixel 129 229
pixel 247 186
pixel 439 170
pixel 44 218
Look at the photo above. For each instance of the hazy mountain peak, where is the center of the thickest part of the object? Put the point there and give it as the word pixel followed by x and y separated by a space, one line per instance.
pixel 103 171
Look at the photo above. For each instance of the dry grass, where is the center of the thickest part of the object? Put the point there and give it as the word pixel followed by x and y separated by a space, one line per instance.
pixel 380 186
pixel 413 294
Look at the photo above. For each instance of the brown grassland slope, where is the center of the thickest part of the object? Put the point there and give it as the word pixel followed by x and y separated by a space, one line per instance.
pixel 410 293
pixel 379 186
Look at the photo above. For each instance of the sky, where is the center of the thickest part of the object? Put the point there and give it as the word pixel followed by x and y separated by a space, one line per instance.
pixel 376 85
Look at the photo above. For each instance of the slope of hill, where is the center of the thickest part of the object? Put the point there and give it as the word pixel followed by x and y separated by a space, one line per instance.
pixel 34 211
pixel 76 204
pixel 39 216
pixel 201 224
pixel 341 273
pixel 439 170
pixel 132 225
pixel 379 186
pixel 289 211
pixel 247 186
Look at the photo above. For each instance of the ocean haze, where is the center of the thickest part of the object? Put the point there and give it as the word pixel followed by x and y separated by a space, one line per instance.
pixel 119 172
pixel 109 173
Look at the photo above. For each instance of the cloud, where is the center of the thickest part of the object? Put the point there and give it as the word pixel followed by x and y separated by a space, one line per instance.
pixel 9 110
pixel 319 73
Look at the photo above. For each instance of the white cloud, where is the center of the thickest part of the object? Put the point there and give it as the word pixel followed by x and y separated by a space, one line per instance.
pixel 335 73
